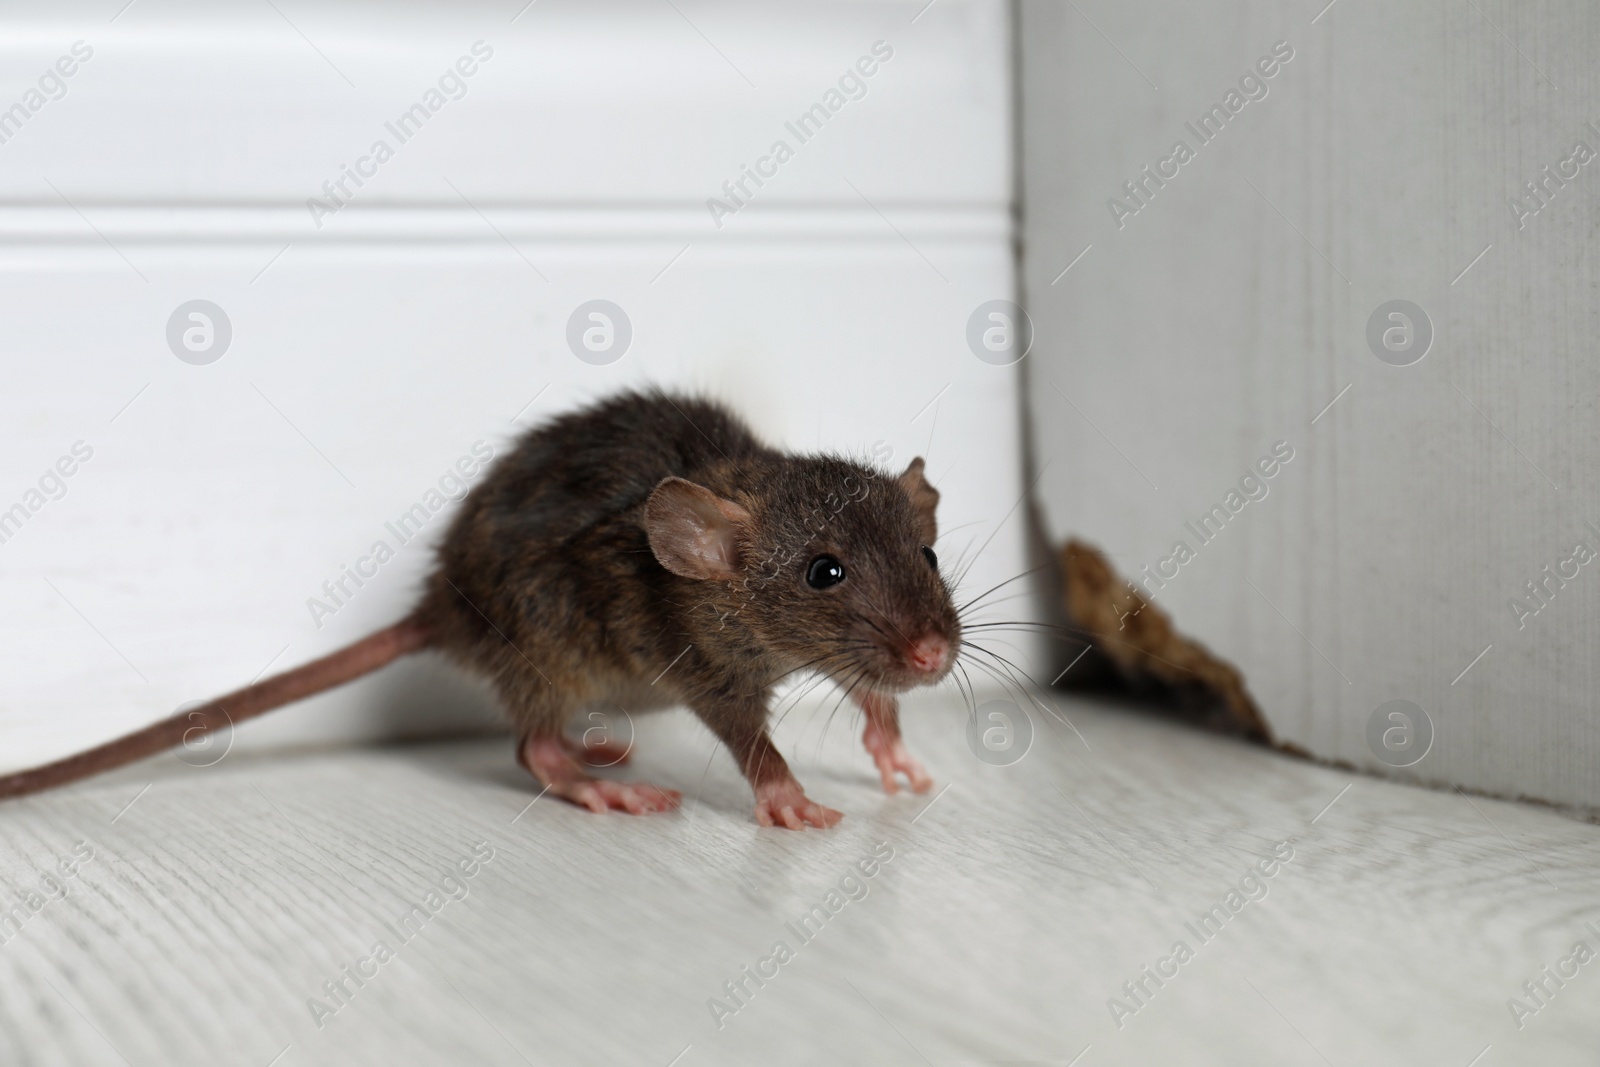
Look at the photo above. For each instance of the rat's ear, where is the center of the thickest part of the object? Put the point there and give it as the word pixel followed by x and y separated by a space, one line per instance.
pixel 924 497
pixel 694 532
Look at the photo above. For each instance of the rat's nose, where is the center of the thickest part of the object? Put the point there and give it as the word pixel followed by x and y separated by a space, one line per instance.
pixel 928 653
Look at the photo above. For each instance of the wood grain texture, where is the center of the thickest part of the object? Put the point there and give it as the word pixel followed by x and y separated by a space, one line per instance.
pixel 1016 903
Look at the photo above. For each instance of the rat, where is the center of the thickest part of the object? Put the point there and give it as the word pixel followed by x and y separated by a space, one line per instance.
pixel 649 551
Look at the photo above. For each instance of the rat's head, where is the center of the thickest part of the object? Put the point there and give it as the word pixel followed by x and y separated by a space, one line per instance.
pixel 825 562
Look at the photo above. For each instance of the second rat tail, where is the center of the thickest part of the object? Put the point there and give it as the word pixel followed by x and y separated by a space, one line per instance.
pixel 335 669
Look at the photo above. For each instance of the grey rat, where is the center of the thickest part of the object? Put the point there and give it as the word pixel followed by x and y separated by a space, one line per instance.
pixel 647 552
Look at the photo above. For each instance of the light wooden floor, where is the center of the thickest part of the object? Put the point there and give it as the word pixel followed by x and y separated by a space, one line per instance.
pixel 1015 905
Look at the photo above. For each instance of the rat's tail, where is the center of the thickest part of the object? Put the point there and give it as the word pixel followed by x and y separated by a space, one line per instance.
pixel 333 670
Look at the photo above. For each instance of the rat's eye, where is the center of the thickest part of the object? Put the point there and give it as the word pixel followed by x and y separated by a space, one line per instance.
pixel 824 571
pixel 927 554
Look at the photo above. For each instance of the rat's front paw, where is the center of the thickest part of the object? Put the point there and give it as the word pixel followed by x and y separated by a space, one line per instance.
pixel 786 804
pixel 891 756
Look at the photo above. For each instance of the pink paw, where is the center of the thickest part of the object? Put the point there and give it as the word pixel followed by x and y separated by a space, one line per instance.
pixel 891 756
pixel 636 798
pixel 554 762
pixel 786 804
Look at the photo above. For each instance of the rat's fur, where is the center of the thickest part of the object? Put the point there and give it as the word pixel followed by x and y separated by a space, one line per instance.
pixel 649 551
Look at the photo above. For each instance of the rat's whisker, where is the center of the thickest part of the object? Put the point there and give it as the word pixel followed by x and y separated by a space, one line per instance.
pixel 1028 626
pixel 851 688
pixel 1077 635
pixel 1018 680
pixel 988 604
pixel 794 700
pixel 946 533
pixel 999 586
pixel 878 628
pixel 972 694
pixel 887 619
pixel 844 665
pixel 955 566
pixel 1016 674
pixel 966 693
pixel 1007 686
pixel 824 668
pixel 850 671
pixel 984 650
pixel 809 664
pixel 975 557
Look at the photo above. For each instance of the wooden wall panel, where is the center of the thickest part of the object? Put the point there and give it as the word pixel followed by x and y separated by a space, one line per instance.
pixel 1227 307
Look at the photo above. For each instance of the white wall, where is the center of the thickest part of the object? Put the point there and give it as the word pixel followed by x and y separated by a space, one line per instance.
pixel 1232 308
pixel 370 353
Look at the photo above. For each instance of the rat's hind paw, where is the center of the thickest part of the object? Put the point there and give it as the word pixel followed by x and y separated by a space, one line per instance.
pixel 786 804
pixel 552 761
pixel 890 754
pixel 636 798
